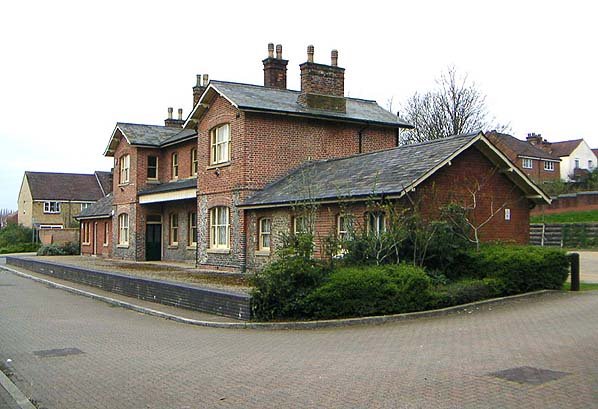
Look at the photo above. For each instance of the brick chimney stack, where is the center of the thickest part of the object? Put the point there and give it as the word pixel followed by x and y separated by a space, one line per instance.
pixel 534 139
pixel 199 88
pixel 174 123
pixel 275 68
pixel 322 86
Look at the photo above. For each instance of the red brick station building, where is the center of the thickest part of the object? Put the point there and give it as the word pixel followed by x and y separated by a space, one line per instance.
pixel 221 185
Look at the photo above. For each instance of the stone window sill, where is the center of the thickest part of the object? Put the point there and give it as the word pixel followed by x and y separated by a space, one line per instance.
pixel 219 165
pixel 122 246
pixel 173 246
pixel 263 253
pixel 219 251
pixel 192 247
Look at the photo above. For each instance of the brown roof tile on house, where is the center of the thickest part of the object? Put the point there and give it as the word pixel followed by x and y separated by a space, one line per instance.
pixel 564 148
pixel 519 147
pixel 63 186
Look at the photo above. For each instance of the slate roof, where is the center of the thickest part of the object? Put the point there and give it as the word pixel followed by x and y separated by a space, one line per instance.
pixel 105 181
pixel 565 148
pixel 519 147
pixel 63 186
pixel 382 172
pixel 101 208
pixel 148 135
pixel 170 186
pixel 260 98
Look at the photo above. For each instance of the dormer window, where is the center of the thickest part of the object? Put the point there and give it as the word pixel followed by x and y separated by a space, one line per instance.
pixel 220 144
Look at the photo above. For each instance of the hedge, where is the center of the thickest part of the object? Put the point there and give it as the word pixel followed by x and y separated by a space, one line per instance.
pixel 371 290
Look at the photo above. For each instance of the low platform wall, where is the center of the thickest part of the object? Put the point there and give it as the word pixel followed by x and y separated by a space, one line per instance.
pixel 163 292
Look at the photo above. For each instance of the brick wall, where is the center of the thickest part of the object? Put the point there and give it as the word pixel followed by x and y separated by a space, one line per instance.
pixel 449 184
pixel 168 293
pixel 56 236
pixel 97 229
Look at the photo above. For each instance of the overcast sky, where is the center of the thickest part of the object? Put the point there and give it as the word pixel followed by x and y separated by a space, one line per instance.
pixel 70 70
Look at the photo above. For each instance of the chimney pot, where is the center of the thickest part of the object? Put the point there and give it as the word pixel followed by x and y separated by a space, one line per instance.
pixel 206 79
pixel 198 80
pixel 334 58
pixel 180 114
pixel 310 53
pixel 270 50
pixel 279 51
pixel 170 112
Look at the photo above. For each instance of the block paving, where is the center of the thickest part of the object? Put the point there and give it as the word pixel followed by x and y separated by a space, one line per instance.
pixel 132 360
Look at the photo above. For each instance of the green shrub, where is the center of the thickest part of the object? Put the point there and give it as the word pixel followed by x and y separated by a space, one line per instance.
pixel 371 290
pixel 281 288
pixel 66 249
pixel 14 234
pixel 521 269
pixel 465 291
pixel 19 248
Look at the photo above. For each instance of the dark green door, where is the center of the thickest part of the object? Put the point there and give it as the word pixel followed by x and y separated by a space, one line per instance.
pixel 153 242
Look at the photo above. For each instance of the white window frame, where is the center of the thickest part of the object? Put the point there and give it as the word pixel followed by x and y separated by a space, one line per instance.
pixel 125 169
pixel 51 207
pixel 376 223
pixel 173 229
pixel 548 166
pixel 192 229
pixel 85 234
pixel 123 229
pixel 301 225
pixel 527 163
pixel 344 226
pixel 507 214
pixel 85 205
pixel 106 234
pixel 590 164
pixel 174 161
pixel 220 227
pixel 51 226
pixel 265 235
pixel 220 144
pixel 152 167
pixel 577 163
pixel 194 162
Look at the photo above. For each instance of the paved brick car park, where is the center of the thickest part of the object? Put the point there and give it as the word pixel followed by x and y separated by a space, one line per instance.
pixel 69 351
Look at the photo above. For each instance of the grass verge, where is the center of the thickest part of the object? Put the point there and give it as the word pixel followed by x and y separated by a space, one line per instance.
pixel 582 286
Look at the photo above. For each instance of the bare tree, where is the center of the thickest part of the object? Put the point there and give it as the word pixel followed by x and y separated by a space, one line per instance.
pixel 457 106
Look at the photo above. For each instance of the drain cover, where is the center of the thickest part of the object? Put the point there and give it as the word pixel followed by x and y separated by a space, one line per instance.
pixel 529 375
pixel 58 352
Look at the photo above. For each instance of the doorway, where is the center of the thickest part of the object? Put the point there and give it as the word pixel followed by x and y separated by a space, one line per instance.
pixel 153 242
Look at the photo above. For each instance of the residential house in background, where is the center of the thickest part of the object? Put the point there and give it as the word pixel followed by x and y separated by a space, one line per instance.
pixel 221 186
pixel 577 158
pixel 52 200
pixel 537 163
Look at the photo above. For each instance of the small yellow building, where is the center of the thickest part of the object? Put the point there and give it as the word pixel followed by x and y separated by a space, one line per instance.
pixel 52 200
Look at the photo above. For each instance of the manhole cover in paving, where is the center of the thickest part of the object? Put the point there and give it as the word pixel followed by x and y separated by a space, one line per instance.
pixel 527 374
pixel 58 352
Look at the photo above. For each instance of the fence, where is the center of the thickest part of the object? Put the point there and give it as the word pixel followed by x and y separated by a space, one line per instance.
pixel 564 234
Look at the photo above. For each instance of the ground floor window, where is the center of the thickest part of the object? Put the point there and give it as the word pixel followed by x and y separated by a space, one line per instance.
pixel 85 234
pixel 106 233
pixel 192 234
pixel 344 224
pixel 265 234
pixel 123 229
pixel 376 223
pixel 219 228
pixel 174 229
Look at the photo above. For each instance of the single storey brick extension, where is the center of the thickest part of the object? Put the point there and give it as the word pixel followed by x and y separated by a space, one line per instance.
pixel 221 185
